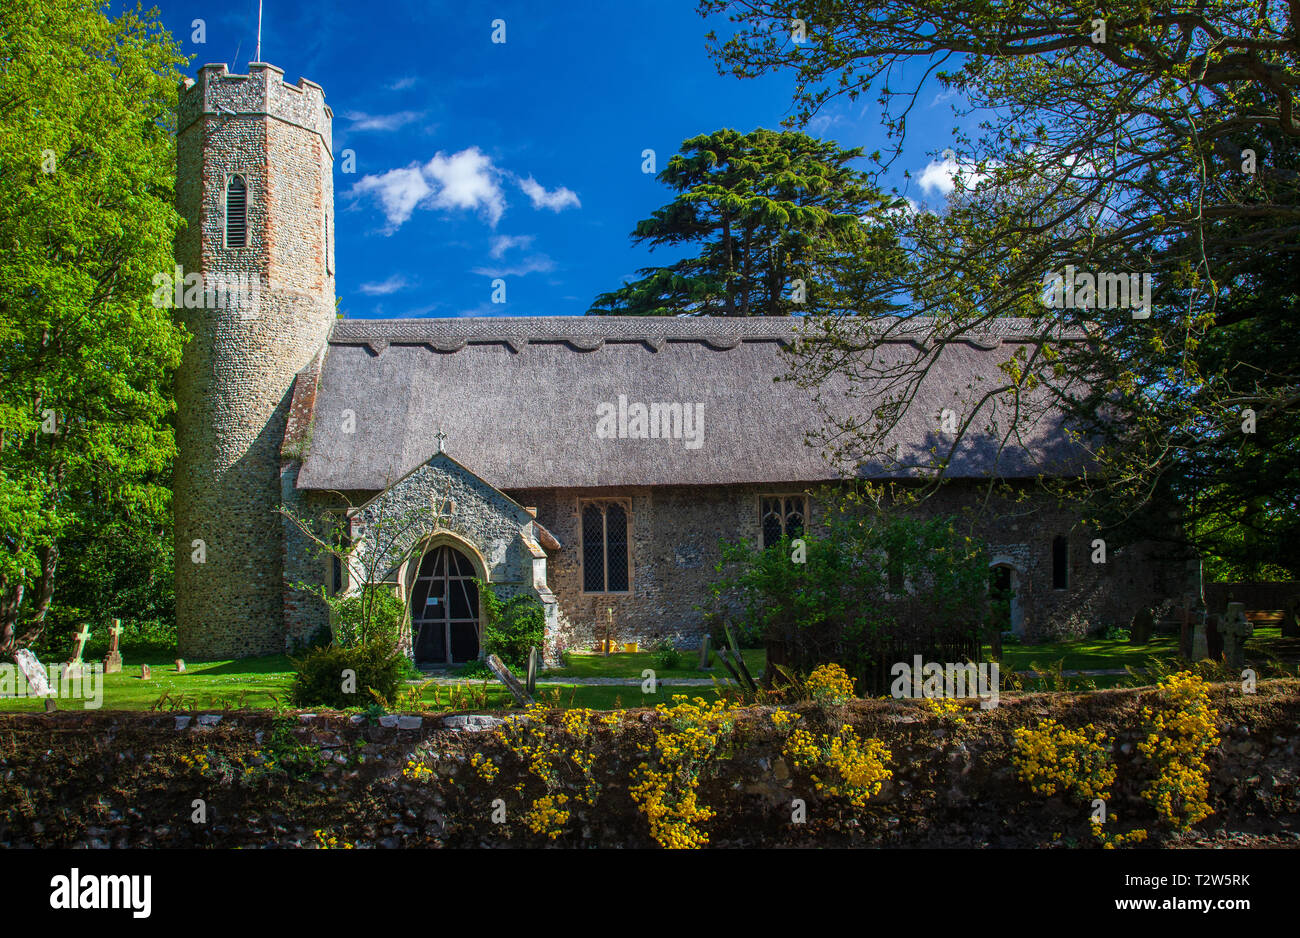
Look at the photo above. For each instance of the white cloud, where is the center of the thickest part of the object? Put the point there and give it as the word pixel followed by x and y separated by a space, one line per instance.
pixel 401 84
pixel 466 180
pixel 503 243
pixel 399 191
pixel 536 264
pixel 556 200
pixel 384 287
pixel 943 176
pixel 381 122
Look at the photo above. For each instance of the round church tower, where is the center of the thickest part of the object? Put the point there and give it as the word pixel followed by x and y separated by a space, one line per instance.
pixel 255 185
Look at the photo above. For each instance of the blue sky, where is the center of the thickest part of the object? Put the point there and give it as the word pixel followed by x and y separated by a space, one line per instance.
pixel 518 160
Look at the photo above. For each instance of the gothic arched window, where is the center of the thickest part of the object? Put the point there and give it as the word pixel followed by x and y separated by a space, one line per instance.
pixel 236 213
pixel 606 566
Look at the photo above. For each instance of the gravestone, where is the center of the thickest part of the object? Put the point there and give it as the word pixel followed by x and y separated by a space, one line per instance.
pixel 1143 622
pixel 509 680
pixel 1236 629
pixel 180 665
pixel 145 673
pixel 1290 625
pixel 532 670
pixel 73 665
pixel 113 660
pixel 704 652
pixel 33 672
pixel 1200 645
pixel 1214 638
pixel 50 705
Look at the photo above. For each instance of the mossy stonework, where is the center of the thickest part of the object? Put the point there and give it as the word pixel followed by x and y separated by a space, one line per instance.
pixel 901 776
pixel 232 389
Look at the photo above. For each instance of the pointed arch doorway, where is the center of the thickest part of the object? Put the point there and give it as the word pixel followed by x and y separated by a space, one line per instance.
pixel 1004 591
pixel 445 608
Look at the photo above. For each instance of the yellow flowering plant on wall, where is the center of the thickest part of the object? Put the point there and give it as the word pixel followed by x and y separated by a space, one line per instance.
pixel 560 758
pixel 1054 759
pixel 841 765
pixel 1180 733
pixel 665 786
pixel 830 685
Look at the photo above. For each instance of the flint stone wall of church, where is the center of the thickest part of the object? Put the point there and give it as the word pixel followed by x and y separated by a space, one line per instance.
pixel 674 546
pixel 477 514
pixel 480 517
pixel 233 384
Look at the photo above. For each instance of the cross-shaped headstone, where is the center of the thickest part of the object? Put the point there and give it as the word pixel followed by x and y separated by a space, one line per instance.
pixel 113 660
pixel 73 665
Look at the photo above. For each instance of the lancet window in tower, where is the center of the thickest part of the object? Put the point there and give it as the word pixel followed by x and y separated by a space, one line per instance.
pixel 236 213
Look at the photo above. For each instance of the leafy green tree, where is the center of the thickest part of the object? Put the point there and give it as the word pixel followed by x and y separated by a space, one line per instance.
pixel 1122 137
pixel 773 223
pixel 87 163
pixel 874 578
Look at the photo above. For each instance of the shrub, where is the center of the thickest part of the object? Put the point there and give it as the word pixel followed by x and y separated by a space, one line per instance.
pixel 748 630
pixel 830 685
pixel 666 655
pixel 842 765
pixel 510 628
pixel 1180 733
pixel 871 581
pixel 379 668
pixel 373 614
pixel 1052 758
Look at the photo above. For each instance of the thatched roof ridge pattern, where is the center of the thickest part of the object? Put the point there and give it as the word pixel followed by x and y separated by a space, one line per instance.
pixel 519 398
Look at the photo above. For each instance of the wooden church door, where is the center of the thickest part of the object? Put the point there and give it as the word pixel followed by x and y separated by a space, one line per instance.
pixel 444 608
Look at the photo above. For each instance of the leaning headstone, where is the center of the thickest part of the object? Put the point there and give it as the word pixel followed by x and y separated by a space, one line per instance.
pixel 180 665
pixel 509 680
pixel 1200 643
pixel 704 652
pixel 145 673
pixel 72 667
pixel 33 673
pixel 1236 629
pixel 113 660
pixel 531 687
pixel 1140 631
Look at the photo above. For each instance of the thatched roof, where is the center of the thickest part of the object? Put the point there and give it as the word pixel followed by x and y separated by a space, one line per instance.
pixel 518 400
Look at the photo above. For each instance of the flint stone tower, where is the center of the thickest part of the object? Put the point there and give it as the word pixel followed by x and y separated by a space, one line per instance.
pixel 232 389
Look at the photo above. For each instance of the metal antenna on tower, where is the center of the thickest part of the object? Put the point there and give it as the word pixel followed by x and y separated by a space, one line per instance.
pixel 259 30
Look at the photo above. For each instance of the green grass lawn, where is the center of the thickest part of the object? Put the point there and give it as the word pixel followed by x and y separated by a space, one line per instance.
pixel 1088 654
pixel 264 682
pixel 630 665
